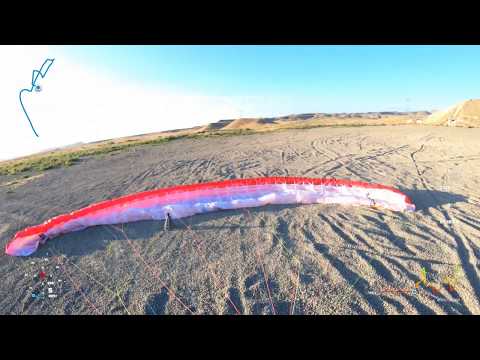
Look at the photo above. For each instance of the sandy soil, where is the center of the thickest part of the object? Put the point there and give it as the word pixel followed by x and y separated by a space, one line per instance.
pixel 311 259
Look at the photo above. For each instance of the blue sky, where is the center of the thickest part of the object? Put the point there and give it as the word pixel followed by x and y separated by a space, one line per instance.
pixel 315 78
pixel 93 93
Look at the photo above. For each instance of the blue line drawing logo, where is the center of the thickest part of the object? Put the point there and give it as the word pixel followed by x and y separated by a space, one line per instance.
pixel 42 72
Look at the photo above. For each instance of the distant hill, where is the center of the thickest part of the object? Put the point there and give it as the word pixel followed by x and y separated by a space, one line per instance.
pixel 317 119
pixel 464 114
pixel 232 126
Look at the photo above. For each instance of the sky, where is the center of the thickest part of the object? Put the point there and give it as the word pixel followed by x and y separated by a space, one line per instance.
pixel 92 93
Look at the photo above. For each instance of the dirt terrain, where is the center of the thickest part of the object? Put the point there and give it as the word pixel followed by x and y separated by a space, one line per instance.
pixel 306 259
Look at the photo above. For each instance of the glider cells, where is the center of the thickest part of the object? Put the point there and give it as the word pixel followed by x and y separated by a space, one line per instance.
pixel 187 200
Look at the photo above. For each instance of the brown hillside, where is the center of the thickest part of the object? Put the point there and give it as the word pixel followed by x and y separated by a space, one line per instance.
pixel 249 124
pixel 464 114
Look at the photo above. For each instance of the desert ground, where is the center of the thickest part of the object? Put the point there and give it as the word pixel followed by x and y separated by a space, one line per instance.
pixel 305 259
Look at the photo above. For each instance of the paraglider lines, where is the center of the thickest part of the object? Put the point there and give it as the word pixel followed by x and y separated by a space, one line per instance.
pixel 137 253
pixel 115 294
pixel 268 287
pixel 292 310
pixel 265 277
pixel 209 265
pixel 78 287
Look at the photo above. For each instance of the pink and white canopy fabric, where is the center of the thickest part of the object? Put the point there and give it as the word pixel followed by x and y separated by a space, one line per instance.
pixel 187 200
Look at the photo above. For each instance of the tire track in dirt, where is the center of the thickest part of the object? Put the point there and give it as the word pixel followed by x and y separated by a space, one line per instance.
pixel 464 251
pixel 360 246
pixel 336 261
pixel 377 269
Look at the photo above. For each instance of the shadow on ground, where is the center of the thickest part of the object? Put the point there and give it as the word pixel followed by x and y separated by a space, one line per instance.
pixel 98 237
pixel 425 199
pixel 156 303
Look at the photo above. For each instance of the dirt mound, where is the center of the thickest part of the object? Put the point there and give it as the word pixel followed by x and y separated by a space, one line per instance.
pixel 221 124
pixel 464 114
pixel 249 123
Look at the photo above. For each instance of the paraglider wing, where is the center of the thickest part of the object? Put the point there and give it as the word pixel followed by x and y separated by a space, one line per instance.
pixel 187 200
